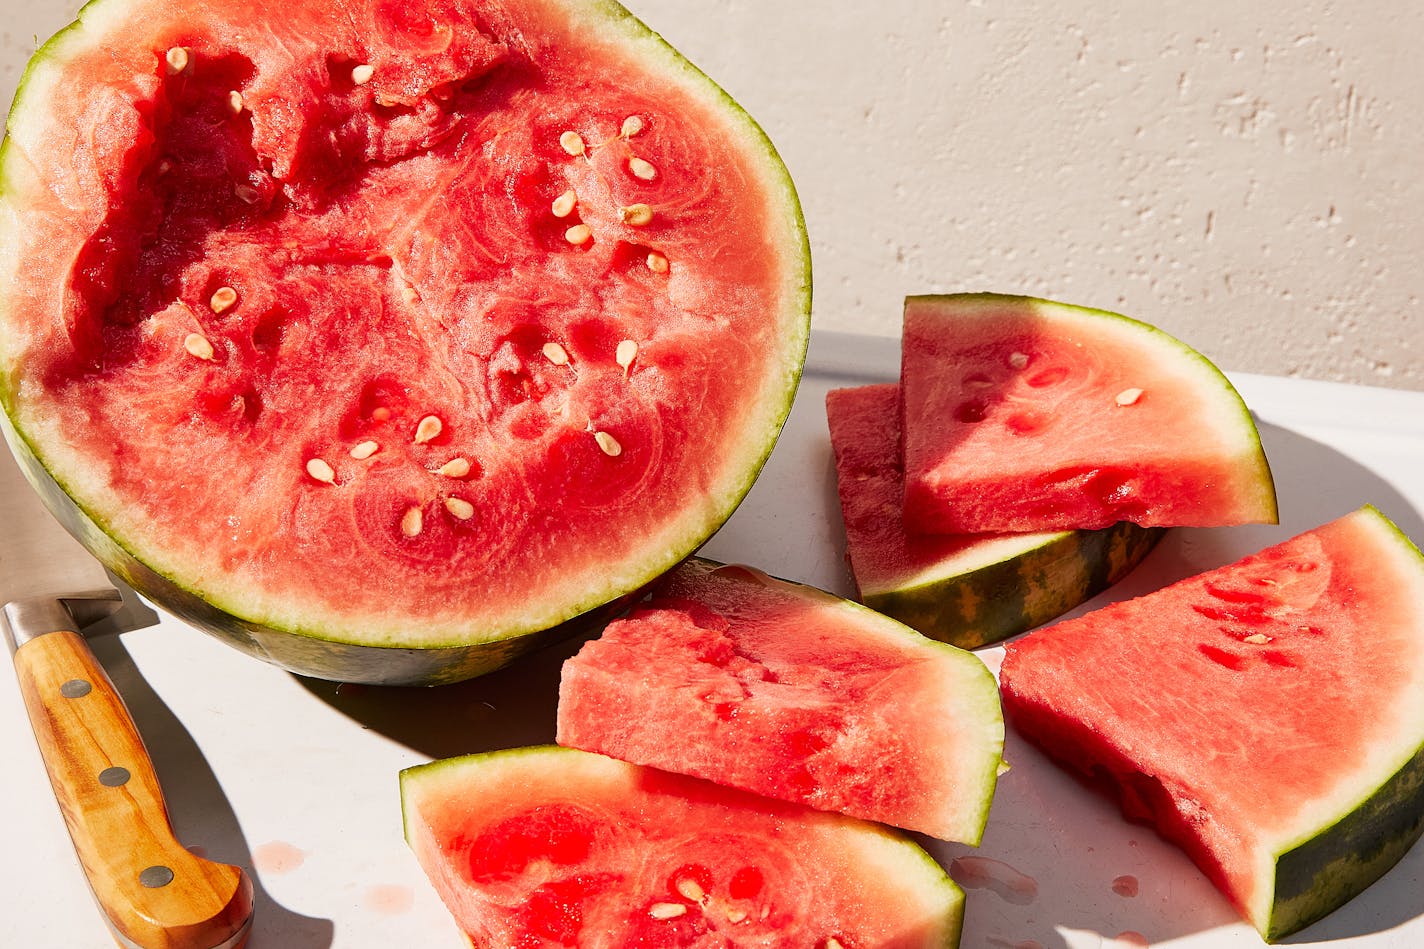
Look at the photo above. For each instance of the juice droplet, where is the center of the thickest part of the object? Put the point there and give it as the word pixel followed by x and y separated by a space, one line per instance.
pixel 1125 886
pixel 277 857
pixel 978 873
pixel 1131 940
pixel 389 899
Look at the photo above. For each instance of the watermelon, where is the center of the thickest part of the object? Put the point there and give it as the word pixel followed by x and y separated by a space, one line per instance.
pixel 1267 716
pixel 777 688
pixel 969 590
pixel 379 337
pixel 1027 415
pixel 549 846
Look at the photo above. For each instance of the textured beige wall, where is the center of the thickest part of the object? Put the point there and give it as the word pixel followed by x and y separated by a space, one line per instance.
pixel 1249 176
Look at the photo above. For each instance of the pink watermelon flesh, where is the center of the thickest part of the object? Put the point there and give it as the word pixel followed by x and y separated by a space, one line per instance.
pixel 543 847
pixel 776 688
pixel 1027 415
pixel 1249 711
pixel 338 327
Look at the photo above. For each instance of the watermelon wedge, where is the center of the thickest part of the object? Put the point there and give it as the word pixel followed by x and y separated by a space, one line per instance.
pixel 968 590
pixel 781 689
pixel 1028 415
pixel 1267 716
pixel 378 337
pixel 549 846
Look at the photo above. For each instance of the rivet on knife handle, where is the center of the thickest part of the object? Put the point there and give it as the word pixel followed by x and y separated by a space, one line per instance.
pixel 155 893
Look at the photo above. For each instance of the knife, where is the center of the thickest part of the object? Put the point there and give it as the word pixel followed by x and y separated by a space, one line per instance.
pixel 152 891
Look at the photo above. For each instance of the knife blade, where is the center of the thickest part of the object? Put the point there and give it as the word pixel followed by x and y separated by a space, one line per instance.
pixel 153 892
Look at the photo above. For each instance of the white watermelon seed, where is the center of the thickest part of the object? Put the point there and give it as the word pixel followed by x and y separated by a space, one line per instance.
pixel 636 214
pixel 197 345
pixel 642 169
pixel 460 508
pixel 1257 639
pixel 572 142
pixel 380 414
pixel 362 74
pixel 164 166
pixel 410 295
pixel 632 125
pixel 412 522
pixel 657 263
pixel 556 354
pixel 1018 360
pixel 578 234
pixel 734 914
pixel 234 102
pixel 321 471
pixel 455 468
pixel 176 60
pixel 833 943
pixel 626 353
pixel 246 193
pixel 427 429
pixel 667 910
pixel 564 203
pixel 608 443
pixel 363 450
pixel 1128 396
pixel 691 889
pixel 222 299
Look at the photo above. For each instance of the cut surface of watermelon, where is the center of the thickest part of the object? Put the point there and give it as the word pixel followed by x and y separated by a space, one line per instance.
pixel 546 846
pixel 401 325
pixel 1267 716
pixel 968 590
pixel 787 691
pixel 1028 415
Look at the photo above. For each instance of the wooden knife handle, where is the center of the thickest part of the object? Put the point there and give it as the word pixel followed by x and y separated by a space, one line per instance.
pixel 155 893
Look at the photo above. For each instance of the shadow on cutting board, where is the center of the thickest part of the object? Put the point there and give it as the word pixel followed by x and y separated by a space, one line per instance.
pixel 202 816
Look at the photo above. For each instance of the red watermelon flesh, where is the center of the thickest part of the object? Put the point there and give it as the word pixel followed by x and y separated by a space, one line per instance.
pixel 396 323
pixel 1028 415
pixel 1267 716
pixel 543 847
pixel 777 688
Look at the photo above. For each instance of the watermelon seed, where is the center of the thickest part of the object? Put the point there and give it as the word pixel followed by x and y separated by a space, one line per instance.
pixel 626 353
pixel 222 299
pixel 691 889
pixel 428 428
pixel 564 203
pixel 234 102
pixel 556 354
pixel 1128 397
pixel 412 522
pixel 1018 360
pixel 657 263
pixel 176 59
pixel 164 167
pixel 460 508
pixel 380 414
pixel 608 443
pixel 667 910
pixel 833 943
pixel 362 74
pixel 642 169
pixel 1257 639
pixel 246 193
pixel 363 450
pixel 632 125
pixel 735 915
pixel 578 234
pixel 455 468
pixel 572 142
pixel 321 471
pixel 197 345
pixel 410 295
pixel 636 214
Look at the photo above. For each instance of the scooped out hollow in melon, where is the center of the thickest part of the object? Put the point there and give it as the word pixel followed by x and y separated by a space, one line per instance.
pixel 965 589
pixel 1028 415
pixel 784 690
pixel 376 336
pixel 1267 716
pixel 546 846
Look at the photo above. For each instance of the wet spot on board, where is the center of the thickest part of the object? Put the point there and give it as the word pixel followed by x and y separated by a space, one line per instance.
pixel 1125 886
pixel 389 899
pixel 984 873
pixel 277 857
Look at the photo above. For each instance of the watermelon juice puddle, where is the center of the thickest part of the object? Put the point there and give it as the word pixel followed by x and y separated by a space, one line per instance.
pixel 986 873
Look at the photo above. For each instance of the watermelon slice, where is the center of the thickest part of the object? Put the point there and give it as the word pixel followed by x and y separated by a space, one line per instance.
pixel 375 336
pixel 554 847
pixel 1028 415
pixel 781 689
pixel 1267 716
pixel 965 589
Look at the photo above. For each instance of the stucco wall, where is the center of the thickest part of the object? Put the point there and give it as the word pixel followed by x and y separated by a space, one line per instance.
pixel 1249 176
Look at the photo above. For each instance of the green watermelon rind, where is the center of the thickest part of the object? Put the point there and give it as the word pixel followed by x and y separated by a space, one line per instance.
pixel 972 602
pixel 913 863
pixel 318 647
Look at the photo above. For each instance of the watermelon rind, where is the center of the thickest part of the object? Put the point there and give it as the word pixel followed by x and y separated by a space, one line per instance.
pixel 390 650
pixel 476 783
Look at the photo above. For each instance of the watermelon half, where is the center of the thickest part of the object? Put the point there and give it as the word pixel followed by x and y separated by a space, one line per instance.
pixel 783 690
pixel 376 336
pixel 1267 716
pixel 1028 415
pixel 550 846
pixel 965 589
